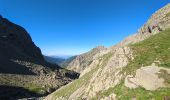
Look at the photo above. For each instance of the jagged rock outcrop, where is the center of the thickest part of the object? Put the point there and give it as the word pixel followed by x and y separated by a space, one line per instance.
pixel 159 21
pixel 115 71
pixel 22 64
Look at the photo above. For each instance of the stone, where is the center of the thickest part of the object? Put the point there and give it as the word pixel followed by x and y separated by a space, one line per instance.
pixel 146 77
pixel 130 82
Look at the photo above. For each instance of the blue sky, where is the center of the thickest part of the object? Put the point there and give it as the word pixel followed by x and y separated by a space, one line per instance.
pixel 69 27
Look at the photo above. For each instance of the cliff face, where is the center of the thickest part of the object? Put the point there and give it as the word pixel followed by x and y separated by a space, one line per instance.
pixel 136 68
pixel 16 42
pixel 23 66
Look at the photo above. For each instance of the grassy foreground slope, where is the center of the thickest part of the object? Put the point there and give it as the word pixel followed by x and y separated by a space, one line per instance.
pixel 154 49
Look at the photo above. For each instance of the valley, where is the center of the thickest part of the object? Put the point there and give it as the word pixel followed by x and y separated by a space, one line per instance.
pixel 137 68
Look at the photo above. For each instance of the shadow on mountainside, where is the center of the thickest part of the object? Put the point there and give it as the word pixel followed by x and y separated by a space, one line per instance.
pixel 28 65
pixel 15 93
pixel 10 67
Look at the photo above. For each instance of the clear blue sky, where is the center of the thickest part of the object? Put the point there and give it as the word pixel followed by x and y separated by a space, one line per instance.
pixel 68 27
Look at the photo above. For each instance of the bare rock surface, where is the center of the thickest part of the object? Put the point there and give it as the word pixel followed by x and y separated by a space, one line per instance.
pixel 146 77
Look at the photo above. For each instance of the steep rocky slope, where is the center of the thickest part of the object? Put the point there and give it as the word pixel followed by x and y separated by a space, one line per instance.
pixel 81 62
pixel 136 68
pixel 23 69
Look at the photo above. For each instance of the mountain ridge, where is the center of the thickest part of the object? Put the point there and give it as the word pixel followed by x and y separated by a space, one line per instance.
pixel 136 68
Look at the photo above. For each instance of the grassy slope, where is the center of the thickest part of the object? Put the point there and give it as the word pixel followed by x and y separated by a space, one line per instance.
pixel 155 48
pixel 146 52
pixel 124 93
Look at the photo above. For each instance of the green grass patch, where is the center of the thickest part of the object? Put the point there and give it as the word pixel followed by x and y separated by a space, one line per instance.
pixel 104 93
pixel 124 93
pixel 156 47
pixel 35 88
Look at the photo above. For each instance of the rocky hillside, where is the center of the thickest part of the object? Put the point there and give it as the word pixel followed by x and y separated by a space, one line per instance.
pixel 138 68
pixel 23 69
pixel 81 62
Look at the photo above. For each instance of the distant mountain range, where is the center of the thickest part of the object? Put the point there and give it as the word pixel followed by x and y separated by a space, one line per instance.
pixel 62 56
pixel 62 61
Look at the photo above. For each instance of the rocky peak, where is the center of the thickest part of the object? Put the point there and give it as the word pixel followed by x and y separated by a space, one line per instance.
pixel 16 36
pixel 159 21
pixel 156 23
